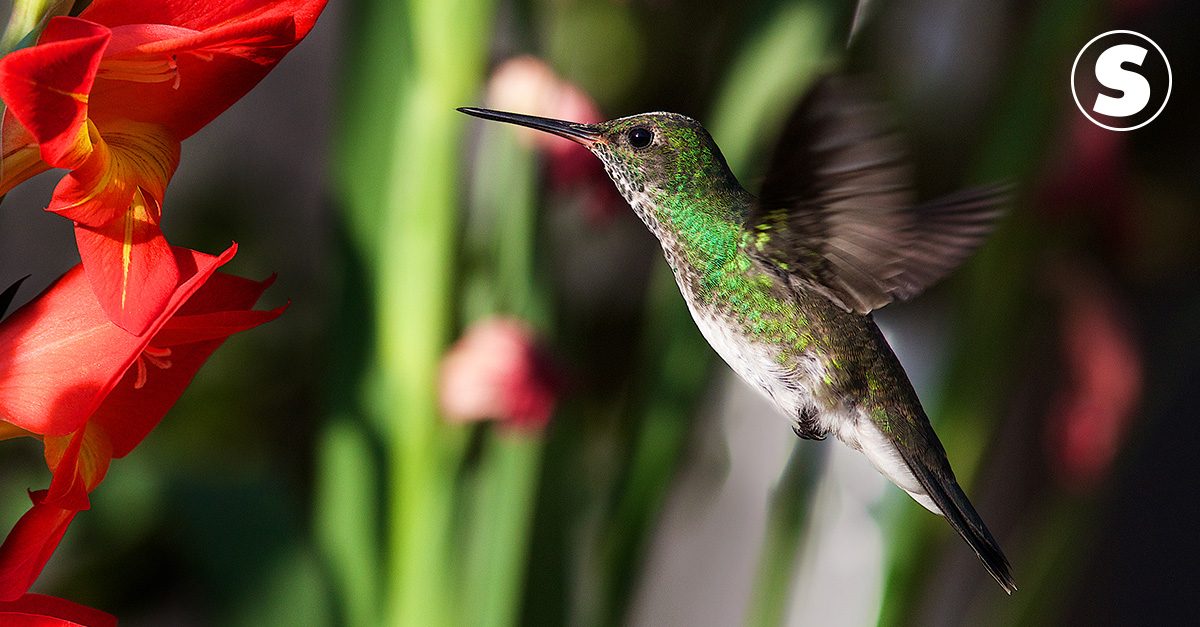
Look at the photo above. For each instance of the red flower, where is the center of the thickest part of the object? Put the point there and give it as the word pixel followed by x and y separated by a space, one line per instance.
pixel 497 371
pixel 109 95
pixel 38 610
pixel 92 391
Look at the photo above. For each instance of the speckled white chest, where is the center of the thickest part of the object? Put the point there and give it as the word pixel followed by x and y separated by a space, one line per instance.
pixel 793 389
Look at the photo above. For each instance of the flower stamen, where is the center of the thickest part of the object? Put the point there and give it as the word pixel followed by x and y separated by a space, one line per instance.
pixel 140 70
pixel 156 357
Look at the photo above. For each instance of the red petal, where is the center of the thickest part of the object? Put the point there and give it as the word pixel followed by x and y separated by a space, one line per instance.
pixel 47 87
pixel 130 413
pixel 204 327
pixel 235 45
pixel 224 292
pixel 39 610
pixel 201 15
pixel 130 265
pixel 30 544
pixel 79 462
pixel 60 355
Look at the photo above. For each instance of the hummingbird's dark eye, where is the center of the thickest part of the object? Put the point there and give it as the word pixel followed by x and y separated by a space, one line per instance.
pixel 640 137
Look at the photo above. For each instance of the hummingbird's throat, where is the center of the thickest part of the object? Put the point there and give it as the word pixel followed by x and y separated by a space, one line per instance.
pixel 634 193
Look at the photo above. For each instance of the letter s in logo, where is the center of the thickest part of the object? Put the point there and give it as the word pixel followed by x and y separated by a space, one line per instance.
pixel 1121 80
pixel 1135 88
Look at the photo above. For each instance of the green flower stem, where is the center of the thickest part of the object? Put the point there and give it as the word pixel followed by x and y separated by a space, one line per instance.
pixel 498 539
pixel 786 522
pixel 766 79
pixel 415 274
pixel 27 20
pixel 500 499
pixel 346 524
pixel 412 259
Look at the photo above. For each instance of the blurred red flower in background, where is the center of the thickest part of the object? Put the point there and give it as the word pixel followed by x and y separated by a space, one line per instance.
pixel 1093 410
pixel 498 371
pixel 109 96
pixel 92 391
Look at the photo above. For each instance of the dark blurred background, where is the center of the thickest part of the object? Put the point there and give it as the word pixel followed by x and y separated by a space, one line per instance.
pixel 1058 366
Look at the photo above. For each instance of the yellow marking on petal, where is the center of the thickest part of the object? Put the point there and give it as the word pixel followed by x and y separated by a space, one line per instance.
pixel 9 430
pixel 54 90
pixel 137 213
pixel 76 96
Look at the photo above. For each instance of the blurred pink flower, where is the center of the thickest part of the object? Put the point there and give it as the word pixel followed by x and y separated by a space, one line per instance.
pixel 527 85
pixel 498 371
pixel 1092 411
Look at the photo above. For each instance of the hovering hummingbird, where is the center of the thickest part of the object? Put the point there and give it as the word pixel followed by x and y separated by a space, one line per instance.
pixel 782 285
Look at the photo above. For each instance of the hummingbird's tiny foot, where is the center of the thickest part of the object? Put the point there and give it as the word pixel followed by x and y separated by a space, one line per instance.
pixel 806 425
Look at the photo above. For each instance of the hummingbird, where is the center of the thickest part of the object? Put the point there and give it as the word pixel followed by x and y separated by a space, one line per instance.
pixel 782 285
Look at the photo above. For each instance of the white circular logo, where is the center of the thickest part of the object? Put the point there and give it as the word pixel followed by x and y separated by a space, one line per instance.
pixel 1121 80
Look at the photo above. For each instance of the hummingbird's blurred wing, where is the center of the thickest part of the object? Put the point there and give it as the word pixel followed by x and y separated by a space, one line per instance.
pixel 836 208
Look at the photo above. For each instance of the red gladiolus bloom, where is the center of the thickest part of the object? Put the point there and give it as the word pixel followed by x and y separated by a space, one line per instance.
pixel 92 391
pixel 109 95
pixel 38 610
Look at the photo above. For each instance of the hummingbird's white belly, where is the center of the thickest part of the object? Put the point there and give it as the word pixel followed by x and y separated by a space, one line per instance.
pixel 793 389
pixel 790 389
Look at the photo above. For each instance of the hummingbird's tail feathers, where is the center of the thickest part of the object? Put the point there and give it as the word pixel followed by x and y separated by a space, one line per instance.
pixel 958 511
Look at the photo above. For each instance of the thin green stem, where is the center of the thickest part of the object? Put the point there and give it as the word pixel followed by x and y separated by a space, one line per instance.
pixel 498 540
pixel 415 274
pixel 786 521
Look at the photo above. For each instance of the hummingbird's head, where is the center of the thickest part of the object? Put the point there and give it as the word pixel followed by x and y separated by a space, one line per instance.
pixel 653 158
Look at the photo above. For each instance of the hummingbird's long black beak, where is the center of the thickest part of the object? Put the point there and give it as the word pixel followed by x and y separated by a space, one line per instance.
pixel 581 133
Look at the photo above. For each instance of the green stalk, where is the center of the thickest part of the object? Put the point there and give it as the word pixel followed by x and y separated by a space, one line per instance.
pixel 414 280
pixel 765 81
pixel 27 20
pixel 346 518
pixel 498 542
pixel 415 273
pixel 411 65
pixel 786 521
pixel 349 501
pixel 504 483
